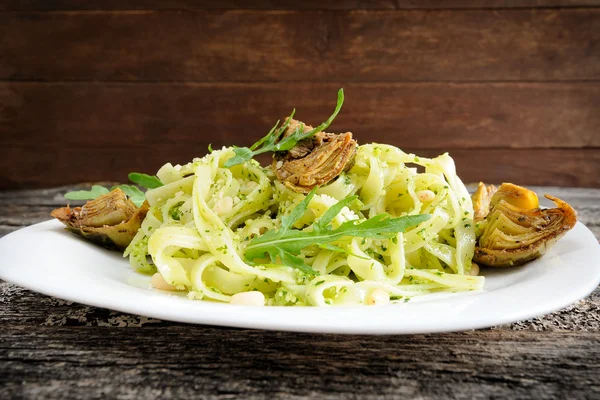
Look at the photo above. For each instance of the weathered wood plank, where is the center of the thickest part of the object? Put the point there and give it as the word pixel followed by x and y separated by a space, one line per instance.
pixel 50 197
pixel 419 115
pixel 181 361
pixel 19 215
pixel 48 166
pixel 177 122
pixel 208 46
pixel 33 5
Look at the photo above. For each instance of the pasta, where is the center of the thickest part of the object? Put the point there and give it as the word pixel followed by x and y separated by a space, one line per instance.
pixel 202 220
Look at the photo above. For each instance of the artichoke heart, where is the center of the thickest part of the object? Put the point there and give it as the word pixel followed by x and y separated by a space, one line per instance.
pixel 111 220
pixel 482 199
pixel 513 228
pixel 314 161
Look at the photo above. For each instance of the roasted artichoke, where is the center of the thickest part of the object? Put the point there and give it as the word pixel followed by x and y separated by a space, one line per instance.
pixel 511 227
pixel 111 220
pixel 314 161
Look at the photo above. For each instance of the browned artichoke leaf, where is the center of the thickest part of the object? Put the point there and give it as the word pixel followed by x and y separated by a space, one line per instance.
pixel 481 201
pixel 111 220
pixel 315 161
pixel 514 232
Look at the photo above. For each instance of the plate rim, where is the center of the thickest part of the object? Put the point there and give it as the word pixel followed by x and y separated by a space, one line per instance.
pixel 253 317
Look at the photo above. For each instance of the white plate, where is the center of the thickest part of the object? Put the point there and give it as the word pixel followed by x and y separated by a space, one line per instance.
pixel 47 259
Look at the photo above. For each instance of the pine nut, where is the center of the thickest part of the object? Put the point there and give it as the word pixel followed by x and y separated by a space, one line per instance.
pixel 474 269
pixel 253 298
pixel 251 185
pixel 159 283
pixel 425 195
pixel 223 206
pixel 377 297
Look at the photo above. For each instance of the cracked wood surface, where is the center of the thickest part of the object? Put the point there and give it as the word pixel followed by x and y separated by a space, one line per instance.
pixel 52 348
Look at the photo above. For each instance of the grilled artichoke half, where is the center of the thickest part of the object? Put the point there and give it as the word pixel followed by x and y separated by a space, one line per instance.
pixel 511 227
pixel 314 161
pixel 111 220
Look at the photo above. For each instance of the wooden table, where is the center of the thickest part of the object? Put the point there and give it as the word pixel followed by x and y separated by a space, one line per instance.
pixel 50 348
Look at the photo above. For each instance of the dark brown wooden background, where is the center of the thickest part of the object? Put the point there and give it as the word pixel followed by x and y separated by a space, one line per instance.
pixel 90 90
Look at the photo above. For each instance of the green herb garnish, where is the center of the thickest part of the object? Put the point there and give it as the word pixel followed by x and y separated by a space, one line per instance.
pixel 133 192
pixel 94 192
pixel 144 180
pixel 287 243
pixel 273 141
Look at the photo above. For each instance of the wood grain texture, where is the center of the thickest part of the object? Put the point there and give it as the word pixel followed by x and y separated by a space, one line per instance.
pixel 419 115
pixel 61 133
pixel 184 362
pixel 33 5
pixel 352 46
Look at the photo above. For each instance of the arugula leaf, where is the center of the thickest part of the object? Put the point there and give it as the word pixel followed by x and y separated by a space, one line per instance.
pixel 94 192
pixel 145 180
pixel 134 194
pixel 291 260
pixel 288 220
pixel 269 136
pixel 271 142
pixel 334 248
pixel 334 210
pixel 242 154
pixel 287 243
pixel 338 249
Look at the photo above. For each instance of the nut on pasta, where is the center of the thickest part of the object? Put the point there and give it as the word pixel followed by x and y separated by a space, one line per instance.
pixel 111 220
pixel 314 161
pixel 513 229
